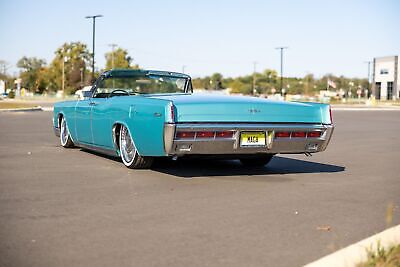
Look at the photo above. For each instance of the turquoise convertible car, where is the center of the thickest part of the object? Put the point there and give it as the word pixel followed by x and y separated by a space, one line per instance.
pixel 139 115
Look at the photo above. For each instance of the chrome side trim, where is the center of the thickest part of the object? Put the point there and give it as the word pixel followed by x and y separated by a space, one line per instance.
pixel 169 134
pixel 249 126
pixel 100 150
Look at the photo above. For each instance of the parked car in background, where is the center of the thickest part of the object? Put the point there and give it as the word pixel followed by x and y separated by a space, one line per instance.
pixel 140 115
pixel 79 93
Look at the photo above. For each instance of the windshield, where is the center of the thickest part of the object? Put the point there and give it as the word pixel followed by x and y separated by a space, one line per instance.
pixel 146 84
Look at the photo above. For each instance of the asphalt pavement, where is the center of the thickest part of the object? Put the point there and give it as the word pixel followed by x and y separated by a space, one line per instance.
pixel 71 207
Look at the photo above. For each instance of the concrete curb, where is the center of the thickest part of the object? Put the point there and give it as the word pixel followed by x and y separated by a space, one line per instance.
pixel 38 108
pixel 22 109
pixel 357 252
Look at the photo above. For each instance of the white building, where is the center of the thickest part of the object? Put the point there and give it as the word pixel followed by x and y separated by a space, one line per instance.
pixel 386 78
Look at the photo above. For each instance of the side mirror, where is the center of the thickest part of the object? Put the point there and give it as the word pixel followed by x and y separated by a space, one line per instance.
pixel 86 94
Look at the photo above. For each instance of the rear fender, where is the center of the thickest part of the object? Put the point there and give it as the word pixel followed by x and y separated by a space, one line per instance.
pixel 145 121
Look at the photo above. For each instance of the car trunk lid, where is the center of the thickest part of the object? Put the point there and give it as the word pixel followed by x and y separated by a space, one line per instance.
pixel 209 108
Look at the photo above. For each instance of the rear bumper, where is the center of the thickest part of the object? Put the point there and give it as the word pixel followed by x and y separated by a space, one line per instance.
pixel 218 146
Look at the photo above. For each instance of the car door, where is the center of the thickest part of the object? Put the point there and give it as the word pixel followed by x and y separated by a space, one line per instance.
pixel 83 121
pixel 101 123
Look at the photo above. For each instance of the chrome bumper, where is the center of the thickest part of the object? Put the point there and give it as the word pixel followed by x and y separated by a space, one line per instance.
pixel 214 146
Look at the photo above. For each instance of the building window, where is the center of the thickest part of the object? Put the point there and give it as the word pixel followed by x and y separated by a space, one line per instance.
pixel 384 71
pixel 389 90
pixel 378 90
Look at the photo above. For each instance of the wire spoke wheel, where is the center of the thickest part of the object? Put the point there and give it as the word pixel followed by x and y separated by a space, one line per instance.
pixel 129 153
pixel 128 148
pixel 65 138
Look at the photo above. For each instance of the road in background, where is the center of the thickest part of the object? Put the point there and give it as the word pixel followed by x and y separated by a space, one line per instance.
pixel 72 207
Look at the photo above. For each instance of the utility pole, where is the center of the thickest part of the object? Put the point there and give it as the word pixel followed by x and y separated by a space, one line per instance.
pixel 369 68
pixel 63 74
pixel 254 77
pixel 64 59
pixel 94 34
pixel 183 68
pixel 282 48
pixel 112 54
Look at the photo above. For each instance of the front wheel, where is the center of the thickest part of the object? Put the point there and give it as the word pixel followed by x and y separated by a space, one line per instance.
pixel 65 137
pixel 256 160
pixel 129 154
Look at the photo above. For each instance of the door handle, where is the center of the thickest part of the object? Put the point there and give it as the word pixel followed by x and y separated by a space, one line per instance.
pixel 92 104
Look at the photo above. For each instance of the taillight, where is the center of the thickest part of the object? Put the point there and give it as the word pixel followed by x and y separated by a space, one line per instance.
pixel 224 134
pixel 282 134
pixel 185 135
pixel 298 134
pixel 314 134
pixel 205 135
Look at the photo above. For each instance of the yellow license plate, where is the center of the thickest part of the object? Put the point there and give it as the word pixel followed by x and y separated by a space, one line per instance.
pixel 252 139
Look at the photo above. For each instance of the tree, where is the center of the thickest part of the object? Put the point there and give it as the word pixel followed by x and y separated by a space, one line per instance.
pixel 119 58
pixel 73 58
pixel 216 79
pixel 32 69
pixel 240 87
pixel 3 67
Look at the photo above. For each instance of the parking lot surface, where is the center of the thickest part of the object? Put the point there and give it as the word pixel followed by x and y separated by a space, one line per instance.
pixel 71 207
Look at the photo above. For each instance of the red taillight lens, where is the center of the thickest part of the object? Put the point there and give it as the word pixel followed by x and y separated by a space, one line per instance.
pixel 298 134
pixel 224 134
pixel 314 134
pixel 185 135
pixel 282 134
pixel 205 135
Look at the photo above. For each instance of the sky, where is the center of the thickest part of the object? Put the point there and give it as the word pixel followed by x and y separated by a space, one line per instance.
pixel 209 36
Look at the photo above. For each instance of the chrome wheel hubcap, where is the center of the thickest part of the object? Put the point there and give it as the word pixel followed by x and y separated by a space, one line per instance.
pixel 128 149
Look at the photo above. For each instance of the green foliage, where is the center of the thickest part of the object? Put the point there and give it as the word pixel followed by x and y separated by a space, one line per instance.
pixel 31 74
pixel 269 79
pixel 382 257
pixel 11 94
pixel 240 87
pixel 119 59
pixel 74 58
pixel 216 81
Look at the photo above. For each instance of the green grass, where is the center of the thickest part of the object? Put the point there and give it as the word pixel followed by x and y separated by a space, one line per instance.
pixel 12 105
pixel 383 257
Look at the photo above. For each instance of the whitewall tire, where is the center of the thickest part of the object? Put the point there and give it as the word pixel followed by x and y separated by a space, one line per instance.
pixel 128 151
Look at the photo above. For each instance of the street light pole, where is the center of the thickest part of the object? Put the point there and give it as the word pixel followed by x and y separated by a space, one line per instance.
pixel 94 33
pixel 282 48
